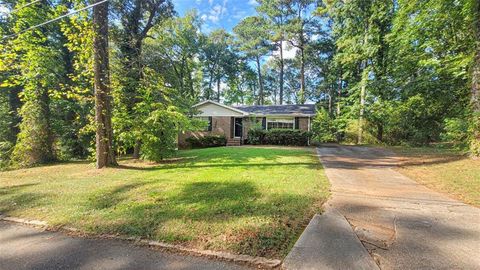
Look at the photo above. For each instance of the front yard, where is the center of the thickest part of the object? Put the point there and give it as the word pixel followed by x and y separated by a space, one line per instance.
pixel 444 170
pixel 253 201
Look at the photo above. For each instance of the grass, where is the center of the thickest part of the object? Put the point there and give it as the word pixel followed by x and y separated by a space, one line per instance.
pixel 444 170
pixel 253 201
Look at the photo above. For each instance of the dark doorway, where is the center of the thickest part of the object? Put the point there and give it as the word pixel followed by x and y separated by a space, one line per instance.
pixel 238 127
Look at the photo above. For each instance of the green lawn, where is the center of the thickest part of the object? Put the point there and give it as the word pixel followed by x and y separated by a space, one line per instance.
pixel 444 170
pixel 244 200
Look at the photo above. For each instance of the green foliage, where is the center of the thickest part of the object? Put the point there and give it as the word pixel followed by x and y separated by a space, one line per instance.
pixel 157 120
pixel 6 119
pixel 323 127
pixel 34 142
pixel 474 131
pixel 404 67
pixel 287 137
pixel 279 137
pixel 39 62
pixel 178 66
pixel 256 136
pixel 207 141
pixel 350 134
pixel 160 131
pixel 455 131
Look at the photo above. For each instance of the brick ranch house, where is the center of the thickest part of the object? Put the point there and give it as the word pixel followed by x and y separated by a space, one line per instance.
pixel 235 121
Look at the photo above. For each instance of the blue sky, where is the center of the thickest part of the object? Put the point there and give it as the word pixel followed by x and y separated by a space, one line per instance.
pixel 218 13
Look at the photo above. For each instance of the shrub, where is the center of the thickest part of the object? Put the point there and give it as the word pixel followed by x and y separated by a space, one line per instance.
pixel 323 127
pixel 207 141
pixel 256 136
pixel 159 132
pixel 279 137
pixel 455 131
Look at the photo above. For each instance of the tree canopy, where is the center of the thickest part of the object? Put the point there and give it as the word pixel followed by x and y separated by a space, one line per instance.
pixel 380 71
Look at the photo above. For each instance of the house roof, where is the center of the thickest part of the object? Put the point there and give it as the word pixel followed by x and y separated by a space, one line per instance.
pixel 221 105
pixel 298 109
pixel 275 110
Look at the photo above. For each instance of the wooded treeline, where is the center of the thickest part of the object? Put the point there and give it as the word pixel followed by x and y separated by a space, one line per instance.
pixel 380 71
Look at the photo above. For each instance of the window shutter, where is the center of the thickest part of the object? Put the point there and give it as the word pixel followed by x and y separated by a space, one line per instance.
pixel 209 123
pixel 264 123
pixel 297 125
pixel 232 126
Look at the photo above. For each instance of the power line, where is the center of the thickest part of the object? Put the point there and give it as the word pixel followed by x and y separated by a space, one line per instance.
pixel 26 5
pixel 55 19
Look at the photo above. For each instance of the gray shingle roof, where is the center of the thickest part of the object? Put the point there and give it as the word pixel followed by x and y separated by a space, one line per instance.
pixel 279 109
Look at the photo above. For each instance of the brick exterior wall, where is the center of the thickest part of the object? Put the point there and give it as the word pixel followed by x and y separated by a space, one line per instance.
pixel 220 126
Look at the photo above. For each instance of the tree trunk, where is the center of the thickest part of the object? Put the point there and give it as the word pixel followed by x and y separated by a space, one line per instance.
pixel 136 149
pixel 380 132
pixel 339 96
pixel 104 150
pixel 329 102
pixel 475 99
pixel 209 90
pixel 302 75
pixel 281 74
pixel 218 90
pixel 260 81
pixel 362 104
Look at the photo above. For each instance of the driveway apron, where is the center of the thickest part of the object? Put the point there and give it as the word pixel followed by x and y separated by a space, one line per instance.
pixel 403 224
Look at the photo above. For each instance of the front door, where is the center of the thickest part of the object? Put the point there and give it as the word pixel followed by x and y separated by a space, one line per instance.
pixel 238 128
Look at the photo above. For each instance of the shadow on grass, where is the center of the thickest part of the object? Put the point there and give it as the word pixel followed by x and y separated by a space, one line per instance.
pixel 15 197
pixel 218 165
pixel 20 201
pixel 232 215
pixel 109 198
pixel 14 189
pixel 210 202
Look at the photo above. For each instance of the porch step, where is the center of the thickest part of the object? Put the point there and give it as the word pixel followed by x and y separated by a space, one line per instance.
pixel 234 142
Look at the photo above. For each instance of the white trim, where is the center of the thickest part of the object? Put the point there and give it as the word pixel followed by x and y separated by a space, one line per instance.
pixel 309 123
pixel 221 105
pixel 291 118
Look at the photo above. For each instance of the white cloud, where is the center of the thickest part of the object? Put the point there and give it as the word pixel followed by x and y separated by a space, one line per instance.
pixel 240 14
pixel 217 12
pixel 210 2
pixel 252 2
pixel 289 52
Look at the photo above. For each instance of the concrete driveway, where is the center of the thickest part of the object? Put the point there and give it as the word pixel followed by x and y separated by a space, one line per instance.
pixel 23 247
pixel 403 224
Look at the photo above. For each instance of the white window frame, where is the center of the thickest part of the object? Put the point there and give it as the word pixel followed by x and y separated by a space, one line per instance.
pixel 289 120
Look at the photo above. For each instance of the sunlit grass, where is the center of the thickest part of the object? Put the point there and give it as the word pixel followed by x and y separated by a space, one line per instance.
pixel 444 170
pixel 245 200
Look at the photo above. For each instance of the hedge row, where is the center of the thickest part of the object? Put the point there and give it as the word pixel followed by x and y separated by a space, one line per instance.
pixel 279 137
pixel 207 141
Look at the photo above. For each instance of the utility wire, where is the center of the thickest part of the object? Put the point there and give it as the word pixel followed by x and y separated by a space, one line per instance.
pixel 26 5
pixel 53 20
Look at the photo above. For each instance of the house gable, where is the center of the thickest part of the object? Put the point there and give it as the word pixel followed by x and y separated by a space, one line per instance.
pixel 211 108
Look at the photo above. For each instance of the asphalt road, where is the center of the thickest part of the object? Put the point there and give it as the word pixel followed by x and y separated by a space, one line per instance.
pixel 403 224
pixel 23 247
